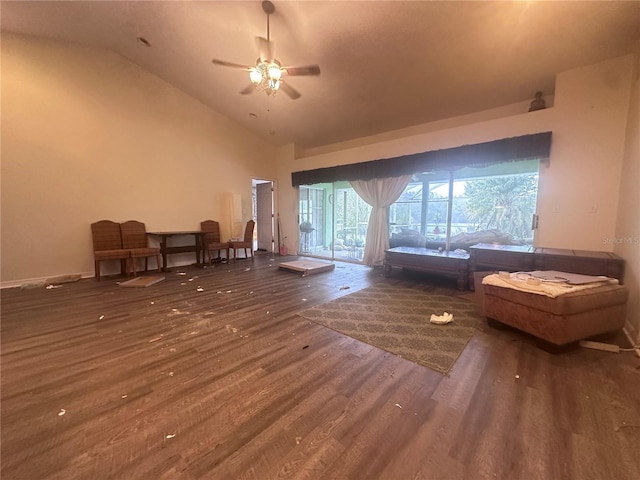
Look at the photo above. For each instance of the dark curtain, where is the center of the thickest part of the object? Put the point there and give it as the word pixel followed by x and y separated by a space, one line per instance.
pixel 526 147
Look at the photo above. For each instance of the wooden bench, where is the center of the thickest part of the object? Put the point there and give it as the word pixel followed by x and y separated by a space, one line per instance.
pixel 427 260
pixel 522 258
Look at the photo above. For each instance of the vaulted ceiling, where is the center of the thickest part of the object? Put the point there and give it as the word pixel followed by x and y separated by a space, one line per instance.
pixel 385 65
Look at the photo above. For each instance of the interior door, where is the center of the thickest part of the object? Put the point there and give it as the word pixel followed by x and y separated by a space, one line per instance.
pixel 264 216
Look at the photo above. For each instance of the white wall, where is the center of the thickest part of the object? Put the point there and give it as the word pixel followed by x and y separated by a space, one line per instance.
pixel 87 135
pixel 579 191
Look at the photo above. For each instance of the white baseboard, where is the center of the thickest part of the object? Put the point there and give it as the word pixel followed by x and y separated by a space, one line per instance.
pixel 38 282
pixel 41 281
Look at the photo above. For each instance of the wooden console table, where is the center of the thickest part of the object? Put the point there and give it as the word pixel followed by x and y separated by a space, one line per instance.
pixel 514 258
pixel 433 261
pixel 165 249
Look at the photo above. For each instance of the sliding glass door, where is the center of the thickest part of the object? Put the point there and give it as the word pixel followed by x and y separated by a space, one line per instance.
pixel 333 221
pixel 313 218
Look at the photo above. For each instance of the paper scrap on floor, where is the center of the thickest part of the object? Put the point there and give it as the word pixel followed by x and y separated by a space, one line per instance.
pixel 441 319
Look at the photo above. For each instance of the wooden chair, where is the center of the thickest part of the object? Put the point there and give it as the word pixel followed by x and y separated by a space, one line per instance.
pixel 247 243
pixel 107 245
pixel 134 238
pixel 211 240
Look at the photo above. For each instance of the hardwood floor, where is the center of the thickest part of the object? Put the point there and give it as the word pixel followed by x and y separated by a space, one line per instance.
pixel 168 382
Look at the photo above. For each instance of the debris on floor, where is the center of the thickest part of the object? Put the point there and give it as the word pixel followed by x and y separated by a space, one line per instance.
pixel 62 412
pixel 441 319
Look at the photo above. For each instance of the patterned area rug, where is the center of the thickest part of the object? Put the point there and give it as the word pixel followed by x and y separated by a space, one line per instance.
pixel 396 319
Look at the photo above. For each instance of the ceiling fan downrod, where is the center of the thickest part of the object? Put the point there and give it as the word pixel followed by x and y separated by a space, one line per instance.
pixel 268 8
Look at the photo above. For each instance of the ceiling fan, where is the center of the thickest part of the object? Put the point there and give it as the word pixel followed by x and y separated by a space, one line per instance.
pixel 268 74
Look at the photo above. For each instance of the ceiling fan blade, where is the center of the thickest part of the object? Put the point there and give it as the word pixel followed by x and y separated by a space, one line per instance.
pixel 230 64
pixel 306 70
pixel 266 49
pixel 247 90
pixel 289 90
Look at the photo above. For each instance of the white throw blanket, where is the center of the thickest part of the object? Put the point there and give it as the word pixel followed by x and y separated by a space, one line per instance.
pixel 550 285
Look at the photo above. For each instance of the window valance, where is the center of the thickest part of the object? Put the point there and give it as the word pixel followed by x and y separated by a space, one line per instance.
pixel 525 147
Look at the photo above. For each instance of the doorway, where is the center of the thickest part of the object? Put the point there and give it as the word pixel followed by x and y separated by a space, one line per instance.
pixel 263 214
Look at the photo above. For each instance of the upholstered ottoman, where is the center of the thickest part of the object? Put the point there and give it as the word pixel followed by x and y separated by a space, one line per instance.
pixel 556 320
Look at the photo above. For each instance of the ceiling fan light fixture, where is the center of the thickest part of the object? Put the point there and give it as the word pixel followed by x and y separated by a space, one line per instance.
pixel 255 75
pixel 265 76
pixel 274 72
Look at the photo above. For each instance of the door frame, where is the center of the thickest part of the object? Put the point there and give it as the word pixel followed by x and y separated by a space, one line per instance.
pixel 255 180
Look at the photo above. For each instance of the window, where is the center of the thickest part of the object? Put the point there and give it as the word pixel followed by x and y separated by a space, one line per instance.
pixel 492 204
